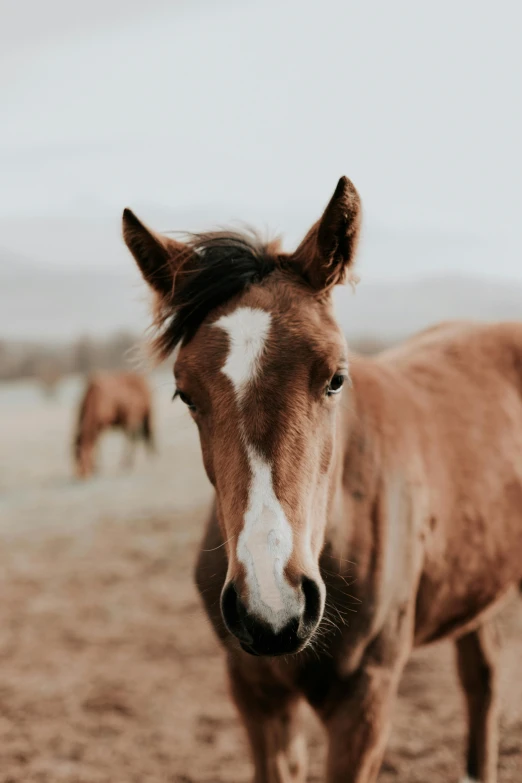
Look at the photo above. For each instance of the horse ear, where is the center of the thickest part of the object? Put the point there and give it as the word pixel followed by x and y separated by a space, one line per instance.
pixel 327 252
pixel 158 257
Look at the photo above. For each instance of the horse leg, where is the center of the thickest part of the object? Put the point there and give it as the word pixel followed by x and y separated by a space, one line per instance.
pixel 477 657
pixel 93 453
pixel 359 727
pixel 272 721
pixel 148 433
pixel 89 460
pixel 356 709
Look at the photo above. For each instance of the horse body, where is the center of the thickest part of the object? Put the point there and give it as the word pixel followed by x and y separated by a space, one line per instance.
pixel 465 382
pixel 345 529
pixel 112 400
pixel 457 437
pixel 425 527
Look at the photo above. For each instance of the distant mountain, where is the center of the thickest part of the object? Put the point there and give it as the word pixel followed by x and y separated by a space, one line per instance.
pixel 394 310
pixel 83 280
pixel 45 304
pixel 53 305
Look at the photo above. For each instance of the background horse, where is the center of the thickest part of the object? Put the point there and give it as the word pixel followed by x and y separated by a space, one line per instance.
pixel 121 400
pixel 362 506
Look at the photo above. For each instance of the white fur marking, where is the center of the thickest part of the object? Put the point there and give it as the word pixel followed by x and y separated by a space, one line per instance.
pixel 266 542
pixel 264 547
pixel 247 329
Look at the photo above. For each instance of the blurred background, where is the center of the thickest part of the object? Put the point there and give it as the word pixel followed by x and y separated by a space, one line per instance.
pixel 201 114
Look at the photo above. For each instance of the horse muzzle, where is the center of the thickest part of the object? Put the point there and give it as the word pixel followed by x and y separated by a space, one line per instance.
pixel 258 636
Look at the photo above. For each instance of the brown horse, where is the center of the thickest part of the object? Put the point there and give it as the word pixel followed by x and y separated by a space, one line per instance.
pixel 362 506
pixel 120 400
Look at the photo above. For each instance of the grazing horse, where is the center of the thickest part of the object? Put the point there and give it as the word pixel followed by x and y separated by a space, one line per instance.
pixel 121 400
pixel 363 506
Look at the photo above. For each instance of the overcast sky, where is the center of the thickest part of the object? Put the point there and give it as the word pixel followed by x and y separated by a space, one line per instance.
pixel 254 109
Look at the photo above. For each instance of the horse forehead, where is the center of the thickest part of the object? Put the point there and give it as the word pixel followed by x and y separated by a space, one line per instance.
pixel 248 329
pixel 259 338
pixel 255 338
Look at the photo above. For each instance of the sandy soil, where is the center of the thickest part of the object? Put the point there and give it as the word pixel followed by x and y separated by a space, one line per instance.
pixel 109 672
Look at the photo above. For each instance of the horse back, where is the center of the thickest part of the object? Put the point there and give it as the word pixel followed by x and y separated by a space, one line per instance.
pixel 115 400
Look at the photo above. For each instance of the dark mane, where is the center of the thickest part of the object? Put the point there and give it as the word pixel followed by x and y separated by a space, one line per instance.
pixel 219 266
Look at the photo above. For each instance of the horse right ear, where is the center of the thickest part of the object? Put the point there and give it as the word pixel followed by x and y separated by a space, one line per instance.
pixel 158 257
pixel 326 255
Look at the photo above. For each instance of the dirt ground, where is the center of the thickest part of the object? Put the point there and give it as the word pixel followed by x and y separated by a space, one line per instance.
pixel 109 672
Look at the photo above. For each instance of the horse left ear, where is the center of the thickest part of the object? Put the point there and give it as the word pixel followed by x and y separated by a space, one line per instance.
pixel 158 257
pixel 328 250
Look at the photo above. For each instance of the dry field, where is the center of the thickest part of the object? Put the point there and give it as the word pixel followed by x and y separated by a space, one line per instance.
pixel 109 672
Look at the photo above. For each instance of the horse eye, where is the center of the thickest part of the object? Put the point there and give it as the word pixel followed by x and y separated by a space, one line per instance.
pixel 335 385
pixel 185 399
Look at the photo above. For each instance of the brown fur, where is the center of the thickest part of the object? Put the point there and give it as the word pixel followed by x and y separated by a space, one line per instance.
pixel 412 478
pixel 112 400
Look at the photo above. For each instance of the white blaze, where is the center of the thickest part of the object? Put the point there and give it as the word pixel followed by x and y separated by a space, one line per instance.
pixel 264 547
pixel 265 543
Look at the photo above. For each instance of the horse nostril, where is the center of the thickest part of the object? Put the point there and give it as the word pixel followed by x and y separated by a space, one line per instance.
pixel 312 604
pixel 234 613
pixel 282 633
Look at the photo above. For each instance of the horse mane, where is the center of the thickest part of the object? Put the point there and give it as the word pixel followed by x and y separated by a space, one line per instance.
pixel 217 266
